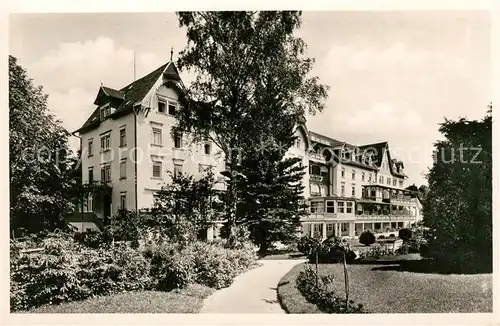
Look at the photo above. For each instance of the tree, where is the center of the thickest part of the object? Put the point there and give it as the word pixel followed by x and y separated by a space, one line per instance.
pixel 458 204
pixel 238 57
pixel 40 161
pixel 367 238
pixel 185 207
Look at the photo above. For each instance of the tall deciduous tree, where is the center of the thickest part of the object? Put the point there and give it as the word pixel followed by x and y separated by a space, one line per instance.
pixel 458 204
pixel 40 186
pixel 237 57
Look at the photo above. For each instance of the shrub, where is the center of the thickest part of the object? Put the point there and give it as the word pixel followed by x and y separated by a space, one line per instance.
pixel 405 234
pixel 392 235
pixel 367 238
pixel 375 252
pixel 171 268
pixel 319 294
pixel 381 236
pixel 332 250
pixel 64 271
pixel 306 244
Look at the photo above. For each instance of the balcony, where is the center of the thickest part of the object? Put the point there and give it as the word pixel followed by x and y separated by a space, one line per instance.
pixel 316 178
pixel 373 217
pixel 317 158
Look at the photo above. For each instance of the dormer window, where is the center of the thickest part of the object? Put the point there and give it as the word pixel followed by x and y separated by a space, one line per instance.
pixel 105 111
pixel 161 107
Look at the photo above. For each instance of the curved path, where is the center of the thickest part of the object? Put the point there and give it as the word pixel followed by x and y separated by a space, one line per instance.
pixel 253 291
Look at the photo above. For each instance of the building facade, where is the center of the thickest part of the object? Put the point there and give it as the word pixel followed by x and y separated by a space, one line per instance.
pixel 127 143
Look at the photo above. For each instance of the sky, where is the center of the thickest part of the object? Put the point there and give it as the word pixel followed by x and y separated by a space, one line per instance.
pixel 393 76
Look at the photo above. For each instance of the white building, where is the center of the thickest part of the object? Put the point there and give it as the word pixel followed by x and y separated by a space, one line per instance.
pixel 127 143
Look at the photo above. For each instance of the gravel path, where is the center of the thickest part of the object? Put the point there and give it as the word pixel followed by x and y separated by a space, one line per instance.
pixel 253 291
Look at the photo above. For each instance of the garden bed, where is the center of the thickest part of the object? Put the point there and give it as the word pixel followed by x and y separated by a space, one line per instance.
pixel 385 287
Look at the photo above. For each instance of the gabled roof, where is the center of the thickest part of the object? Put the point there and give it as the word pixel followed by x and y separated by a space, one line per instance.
pixel 132 93
pixel 378 149
pixel 330 141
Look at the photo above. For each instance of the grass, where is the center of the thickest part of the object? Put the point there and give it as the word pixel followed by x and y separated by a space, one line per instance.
pixel 185 301
pixel 384 287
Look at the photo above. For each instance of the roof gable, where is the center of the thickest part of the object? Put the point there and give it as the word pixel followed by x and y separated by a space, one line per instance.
pixel 131 94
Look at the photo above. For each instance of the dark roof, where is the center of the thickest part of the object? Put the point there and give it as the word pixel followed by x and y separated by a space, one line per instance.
pixel 89 217
pixel 132 93
pixel 378 149
pixel 332 142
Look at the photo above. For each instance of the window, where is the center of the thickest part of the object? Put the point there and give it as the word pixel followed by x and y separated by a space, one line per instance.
pixel 91 174
pixel 362 176
pixel 316 206
pixel 105 142
pixel 342 189
pixel 161 107
pixel 177 170
pixel 106 172
pixel 343 173
pixel 157 166
pixel 353 174
pixel 389 181
pixel 353 190
pixel 123 137
pixel 91 147
pixel 88 205
pixel 381 180
pixel 123 200
pixel 178 141
pixel 349 207
pixel 208 149
pixel 401 183
pixel 394 182
pixel 340 206
pixel 105 111
pixel 329 227
pixel 330 206
pixel 157 139
pixel 123 169
pixel 370 177
pixel 171 108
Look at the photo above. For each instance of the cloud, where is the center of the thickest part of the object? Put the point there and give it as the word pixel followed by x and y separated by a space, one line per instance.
pixel 380 117
pixel 88 63
pixel 72 73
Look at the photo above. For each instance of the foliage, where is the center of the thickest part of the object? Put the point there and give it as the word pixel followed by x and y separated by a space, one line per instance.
pixel 306 244
pixel 367 238
pixel 270 81
pixel 92 239
pixel 185 207
pixel 125 226
pixel 375 252
pixel 315 289
pixel 332 250
pixel 63 270
pixel 405 234
pixel 41 164
pixel 271 197
pixel 460 217
pixel 210 264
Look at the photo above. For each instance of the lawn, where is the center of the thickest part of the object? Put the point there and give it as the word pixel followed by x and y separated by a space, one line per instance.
pixel 388 288
pixel 186 301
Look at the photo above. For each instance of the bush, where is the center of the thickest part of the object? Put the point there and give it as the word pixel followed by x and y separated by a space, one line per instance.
pixel 63 270
pixel 392 235
pixel 306 244
pixel 381 236
pixel 405 234
pixel 332 250
pixel 319 294
pixel 210 264
pixel 375 253
pixel 367 238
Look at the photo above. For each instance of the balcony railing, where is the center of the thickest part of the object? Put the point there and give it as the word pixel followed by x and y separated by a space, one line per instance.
pixel 385 217
pixel 317 157
pixel 316 178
